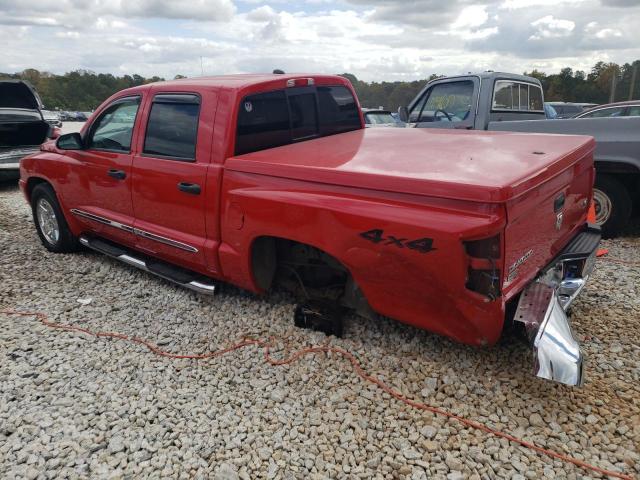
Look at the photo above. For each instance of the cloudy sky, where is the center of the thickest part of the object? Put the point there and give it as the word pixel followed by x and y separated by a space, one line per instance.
pixel 374 39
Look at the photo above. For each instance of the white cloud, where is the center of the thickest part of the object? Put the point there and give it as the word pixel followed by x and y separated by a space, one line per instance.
pixel 518 4
pixel 375 39
pixel 551 27
pixel 471 17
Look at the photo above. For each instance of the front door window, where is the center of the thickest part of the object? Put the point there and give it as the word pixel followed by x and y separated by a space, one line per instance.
pixel 113 130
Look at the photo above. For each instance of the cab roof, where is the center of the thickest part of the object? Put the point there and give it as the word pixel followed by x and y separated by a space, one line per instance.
pixel 244 81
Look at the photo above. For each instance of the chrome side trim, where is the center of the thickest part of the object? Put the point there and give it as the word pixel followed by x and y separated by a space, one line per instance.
pixel 135 231
pixel 103 220
pixel 197 286
pixel 165 240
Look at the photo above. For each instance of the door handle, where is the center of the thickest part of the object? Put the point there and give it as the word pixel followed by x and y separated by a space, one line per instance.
pixel 119 174
pixel 192 188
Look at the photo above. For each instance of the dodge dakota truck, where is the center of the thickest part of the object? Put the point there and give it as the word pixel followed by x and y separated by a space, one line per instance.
pixel 268 181
pixel 509 102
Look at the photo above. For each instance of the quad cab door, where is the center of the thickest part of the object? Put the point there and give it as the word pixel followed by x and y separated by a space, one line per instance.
pixel 169 180
pixel 99 188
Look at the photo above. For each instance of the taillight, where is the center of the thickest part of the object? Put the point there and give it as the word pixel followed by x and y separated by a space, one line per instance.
pixel 483 274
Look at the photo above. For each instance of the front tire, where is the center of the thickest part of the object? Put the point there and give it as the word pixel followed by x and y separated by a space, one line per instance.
pixel 613 205
pixel 50 223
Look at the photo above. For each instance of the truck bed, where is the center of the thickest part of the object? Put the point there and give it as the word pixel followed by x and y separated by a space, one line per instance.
pixel 489 167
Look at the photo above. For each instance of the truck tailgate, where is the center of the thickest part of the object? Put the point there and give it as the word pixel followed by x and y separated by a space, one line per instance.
pixel 541 222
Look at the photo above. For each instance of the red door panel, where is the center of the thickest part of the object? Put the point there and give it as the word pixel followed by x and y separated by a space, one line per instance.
pixel 170 193
pixel 98 192
pixel 174 219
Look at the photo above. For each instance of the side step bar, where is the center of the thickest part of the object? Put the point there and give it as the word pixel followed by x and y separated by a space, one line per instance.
pixel 181 276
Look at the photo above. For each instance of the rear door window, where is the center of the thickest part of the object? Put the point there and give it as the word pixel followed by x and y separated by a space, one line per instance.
pixel 172 127
pixel 272 119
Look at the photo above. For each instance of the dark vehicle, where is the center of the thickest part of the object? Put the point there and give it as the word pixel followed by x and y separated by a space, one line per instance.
pixel 507 102
pixel 569 109
pixel 22 126
pixel 619 109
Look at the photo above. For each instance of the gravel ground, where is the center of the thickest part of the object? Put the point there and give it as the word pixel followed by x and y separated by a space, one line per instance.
pixel 73 406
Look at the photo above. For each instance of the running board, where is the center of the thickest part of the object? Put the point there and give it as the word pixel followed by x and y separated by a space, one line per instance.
pixel 180 276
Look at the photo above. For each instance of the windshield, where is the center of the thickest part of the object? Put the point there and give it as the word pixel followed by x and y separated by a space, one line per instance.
pixel 445 102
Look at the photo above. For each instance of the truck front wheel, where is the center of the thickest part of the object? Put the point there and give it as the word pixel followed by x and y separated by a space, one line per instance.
pixel 51 225
pixel 613 204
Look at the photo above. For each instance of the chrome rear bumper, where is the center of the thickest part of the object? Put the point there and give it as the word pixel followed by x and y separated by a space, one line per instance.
pixel 542 309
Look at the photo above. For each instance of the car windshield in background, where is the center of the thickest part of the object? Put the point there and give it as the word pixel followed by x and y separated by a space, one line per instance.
pixel 517 96
pixel 447 102
pixel 567 109
pixel 605 112
pixel 378 118
pixel 277 118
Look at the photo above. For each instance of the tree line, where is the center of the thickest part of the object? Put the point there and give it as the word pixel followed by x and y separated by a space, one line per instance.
pixel 83 90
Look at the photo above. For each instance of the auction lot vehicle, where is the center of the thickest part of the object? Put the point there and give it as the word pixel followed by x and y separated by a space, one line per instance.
pixel 508 102
pixel 272 180
pixel 22 126
pixel 618 109
pixel 569 109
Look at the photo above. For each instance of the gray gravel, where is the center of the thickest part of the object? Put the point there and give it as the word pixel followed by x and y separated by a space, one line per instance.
pixel 73 406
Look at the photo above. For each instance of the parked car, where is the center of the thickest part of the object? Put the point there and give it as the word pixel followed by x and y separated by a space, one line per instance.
pixel 263 180
pixel 52 118
pixel 22 126
pixel 66 116
pixel 619 109
pixel 569 109
pixel 374 117
pixel 507 102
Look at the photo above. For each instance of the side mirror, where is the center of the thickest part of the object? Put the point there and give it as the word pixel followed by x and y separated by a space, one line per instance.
pixel 70 141
pixel 403 113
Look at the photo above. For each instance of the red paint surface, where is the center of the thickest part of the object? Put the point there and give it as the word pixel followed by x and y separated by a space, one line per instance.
pixel 449 186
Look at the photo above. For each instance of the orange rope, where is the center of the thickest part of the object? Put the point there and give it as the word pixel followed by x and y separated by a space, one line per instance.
pixel 266 345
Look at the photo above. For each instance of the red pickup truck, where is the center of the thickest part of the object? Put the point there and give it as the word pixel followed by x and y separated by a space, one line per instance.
pixel 265 180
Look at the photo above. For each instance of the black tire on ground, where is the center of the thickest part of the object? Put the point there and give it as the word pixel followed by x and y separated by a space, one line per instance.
pixel 65 242
pixel 616 193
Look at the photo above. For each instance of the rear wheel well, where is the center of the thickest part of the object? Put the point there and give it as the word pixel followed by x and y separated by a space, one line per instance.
pixel 306 271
